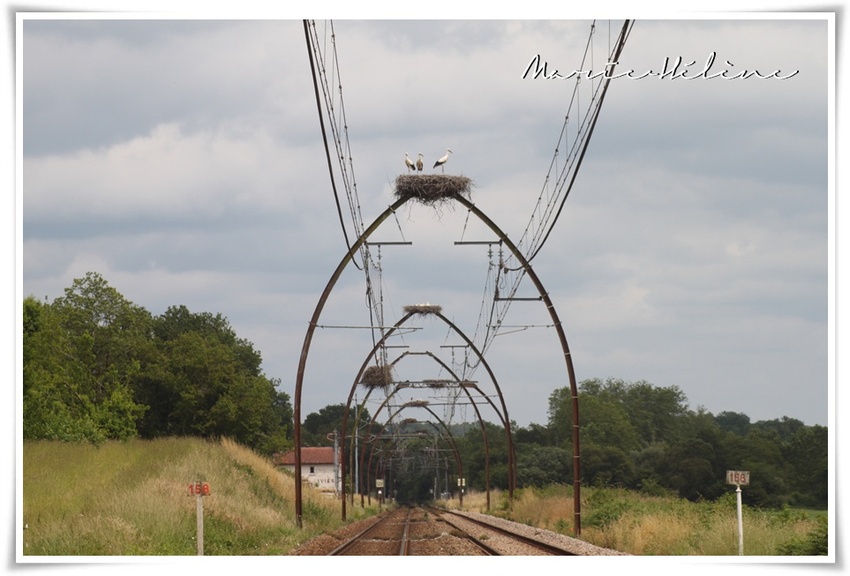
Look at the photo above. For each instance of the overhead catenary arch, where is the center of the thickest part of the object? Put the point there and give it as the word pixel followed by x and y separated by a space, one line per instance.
pixel 562 338
pixel 444 194
pixel 435 311
pixel 448 433
pixel 464 385
pixel 392 416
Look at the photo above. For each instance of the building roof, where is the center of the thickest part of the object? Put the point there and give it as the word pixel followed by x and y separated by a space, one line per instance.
pixel 309 455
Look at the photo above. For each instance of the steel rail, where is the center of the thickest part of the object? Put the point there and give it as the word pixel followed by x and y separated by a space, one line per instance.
pixel 404 542
pixel 489 550
pixel 549 548
pixel 348 544
pixel 404 548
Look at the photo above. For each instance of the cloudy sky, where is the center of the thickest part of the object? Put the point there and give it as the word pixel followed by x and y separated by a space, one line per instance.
pixel 183 160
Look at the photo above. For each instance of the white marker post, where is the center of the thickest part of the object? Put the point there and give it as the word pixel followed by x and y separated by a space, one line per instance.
pixel 379 485
pixel 739 477
pixel 199 489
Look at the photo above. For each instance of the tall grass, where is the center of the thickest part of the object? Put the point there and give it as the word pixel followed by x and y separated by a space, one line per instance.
pixel 132 498
pixel 651 525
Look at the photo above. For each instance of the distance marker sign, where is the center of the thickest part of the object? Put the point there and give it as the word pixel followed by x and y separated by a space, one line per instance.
pixel 199 489
pixel 738 477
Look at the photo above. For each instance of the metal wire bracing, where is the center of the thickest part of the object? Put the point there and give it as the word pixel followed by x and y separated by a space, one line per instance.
pixel 330 103
pixel 505 276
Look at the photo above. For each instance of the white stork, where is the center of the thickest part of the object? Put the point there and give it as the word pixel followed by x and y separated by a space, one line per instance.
pixel 409 163
pixel 419 163
pixel 443 160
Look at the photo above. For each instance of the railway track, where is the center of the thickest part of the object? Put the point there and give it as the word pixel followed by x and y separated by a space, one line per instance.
pixel 515 541
pixel 421 531
pixel 376 540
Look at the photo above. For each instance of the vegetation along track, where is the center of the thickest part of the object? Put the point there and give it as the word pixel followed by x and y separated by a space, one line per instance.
pixel 420 531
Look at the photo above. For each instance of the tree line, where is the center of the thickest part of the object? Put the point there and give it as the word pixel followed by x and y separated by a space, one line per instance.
pixel 642 437
pixel 98 367
pixel 634 435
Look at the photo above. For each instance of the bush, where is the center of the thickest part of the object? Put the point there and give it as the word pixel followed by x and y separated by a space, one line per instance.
pixel 816 543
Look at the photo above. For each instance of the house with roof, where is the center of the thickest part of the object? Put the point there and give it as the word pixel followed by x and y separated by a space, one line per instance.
pixel 319 467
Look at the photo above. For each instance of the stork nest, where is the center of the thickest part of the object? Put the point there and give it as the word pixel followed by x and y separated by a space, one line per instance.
pixel 423 309
pixel 417 403
pixel 433 188
pixel 377 377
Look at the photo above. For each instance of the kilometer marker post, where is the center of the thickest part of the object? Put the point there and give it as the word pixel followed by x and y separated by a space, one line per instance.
pixel 199 489
pixel 739 477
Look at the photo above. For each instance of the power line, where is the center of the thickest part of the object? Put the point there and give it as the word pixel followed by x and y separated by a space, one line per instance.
pixel 557 185
pixel 342 145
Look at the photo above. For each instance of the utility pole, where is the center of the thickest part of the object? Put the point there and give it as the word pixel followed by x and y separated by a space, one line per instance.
pixel 447 474
pixel 336 464
pixel 436 469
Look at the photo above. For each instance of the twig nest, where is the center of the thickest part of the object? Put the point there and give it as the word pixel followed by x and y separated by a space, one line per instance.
pixel 423 309
pixel 377 377
pixel 432 188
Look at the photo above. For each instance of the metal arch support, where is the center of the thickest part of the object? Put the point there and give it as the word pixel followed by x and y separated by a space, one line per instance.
pixel 448 435
pixel 308 338
pixel 474 406
pixel 477 414
pixel 564 346
pixel 311 328
pixel 392 416
pixel 503 414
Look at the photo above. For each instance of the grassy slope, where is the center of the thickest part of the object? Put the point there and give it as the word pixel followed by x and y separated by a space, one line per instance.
pixel 133 498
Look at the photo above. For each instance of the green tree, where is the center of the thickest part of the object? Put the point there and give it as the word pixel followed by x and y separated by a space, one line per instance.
pixel 474 456
pixel 603 418
pixel 693 465
pixel 560 415
pixel 807 456
pixel 655 412
pixel 784 428
pixel 53 406
pixel 209 383
pixel 83 354
pixel 179 320
pixel 603 465
pixel 542 465
pixel 605 422
pixel 319 425
pixel 97 367
pixel 734 422
pixel 533 434
pixel 760 454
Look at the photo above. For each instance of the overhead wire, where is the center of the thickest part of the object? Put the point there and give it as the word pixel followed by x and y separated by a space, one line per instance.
pixel 559 179
pixel 313 64
pixel 594 116
pixel 557 185
pixel 341 142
